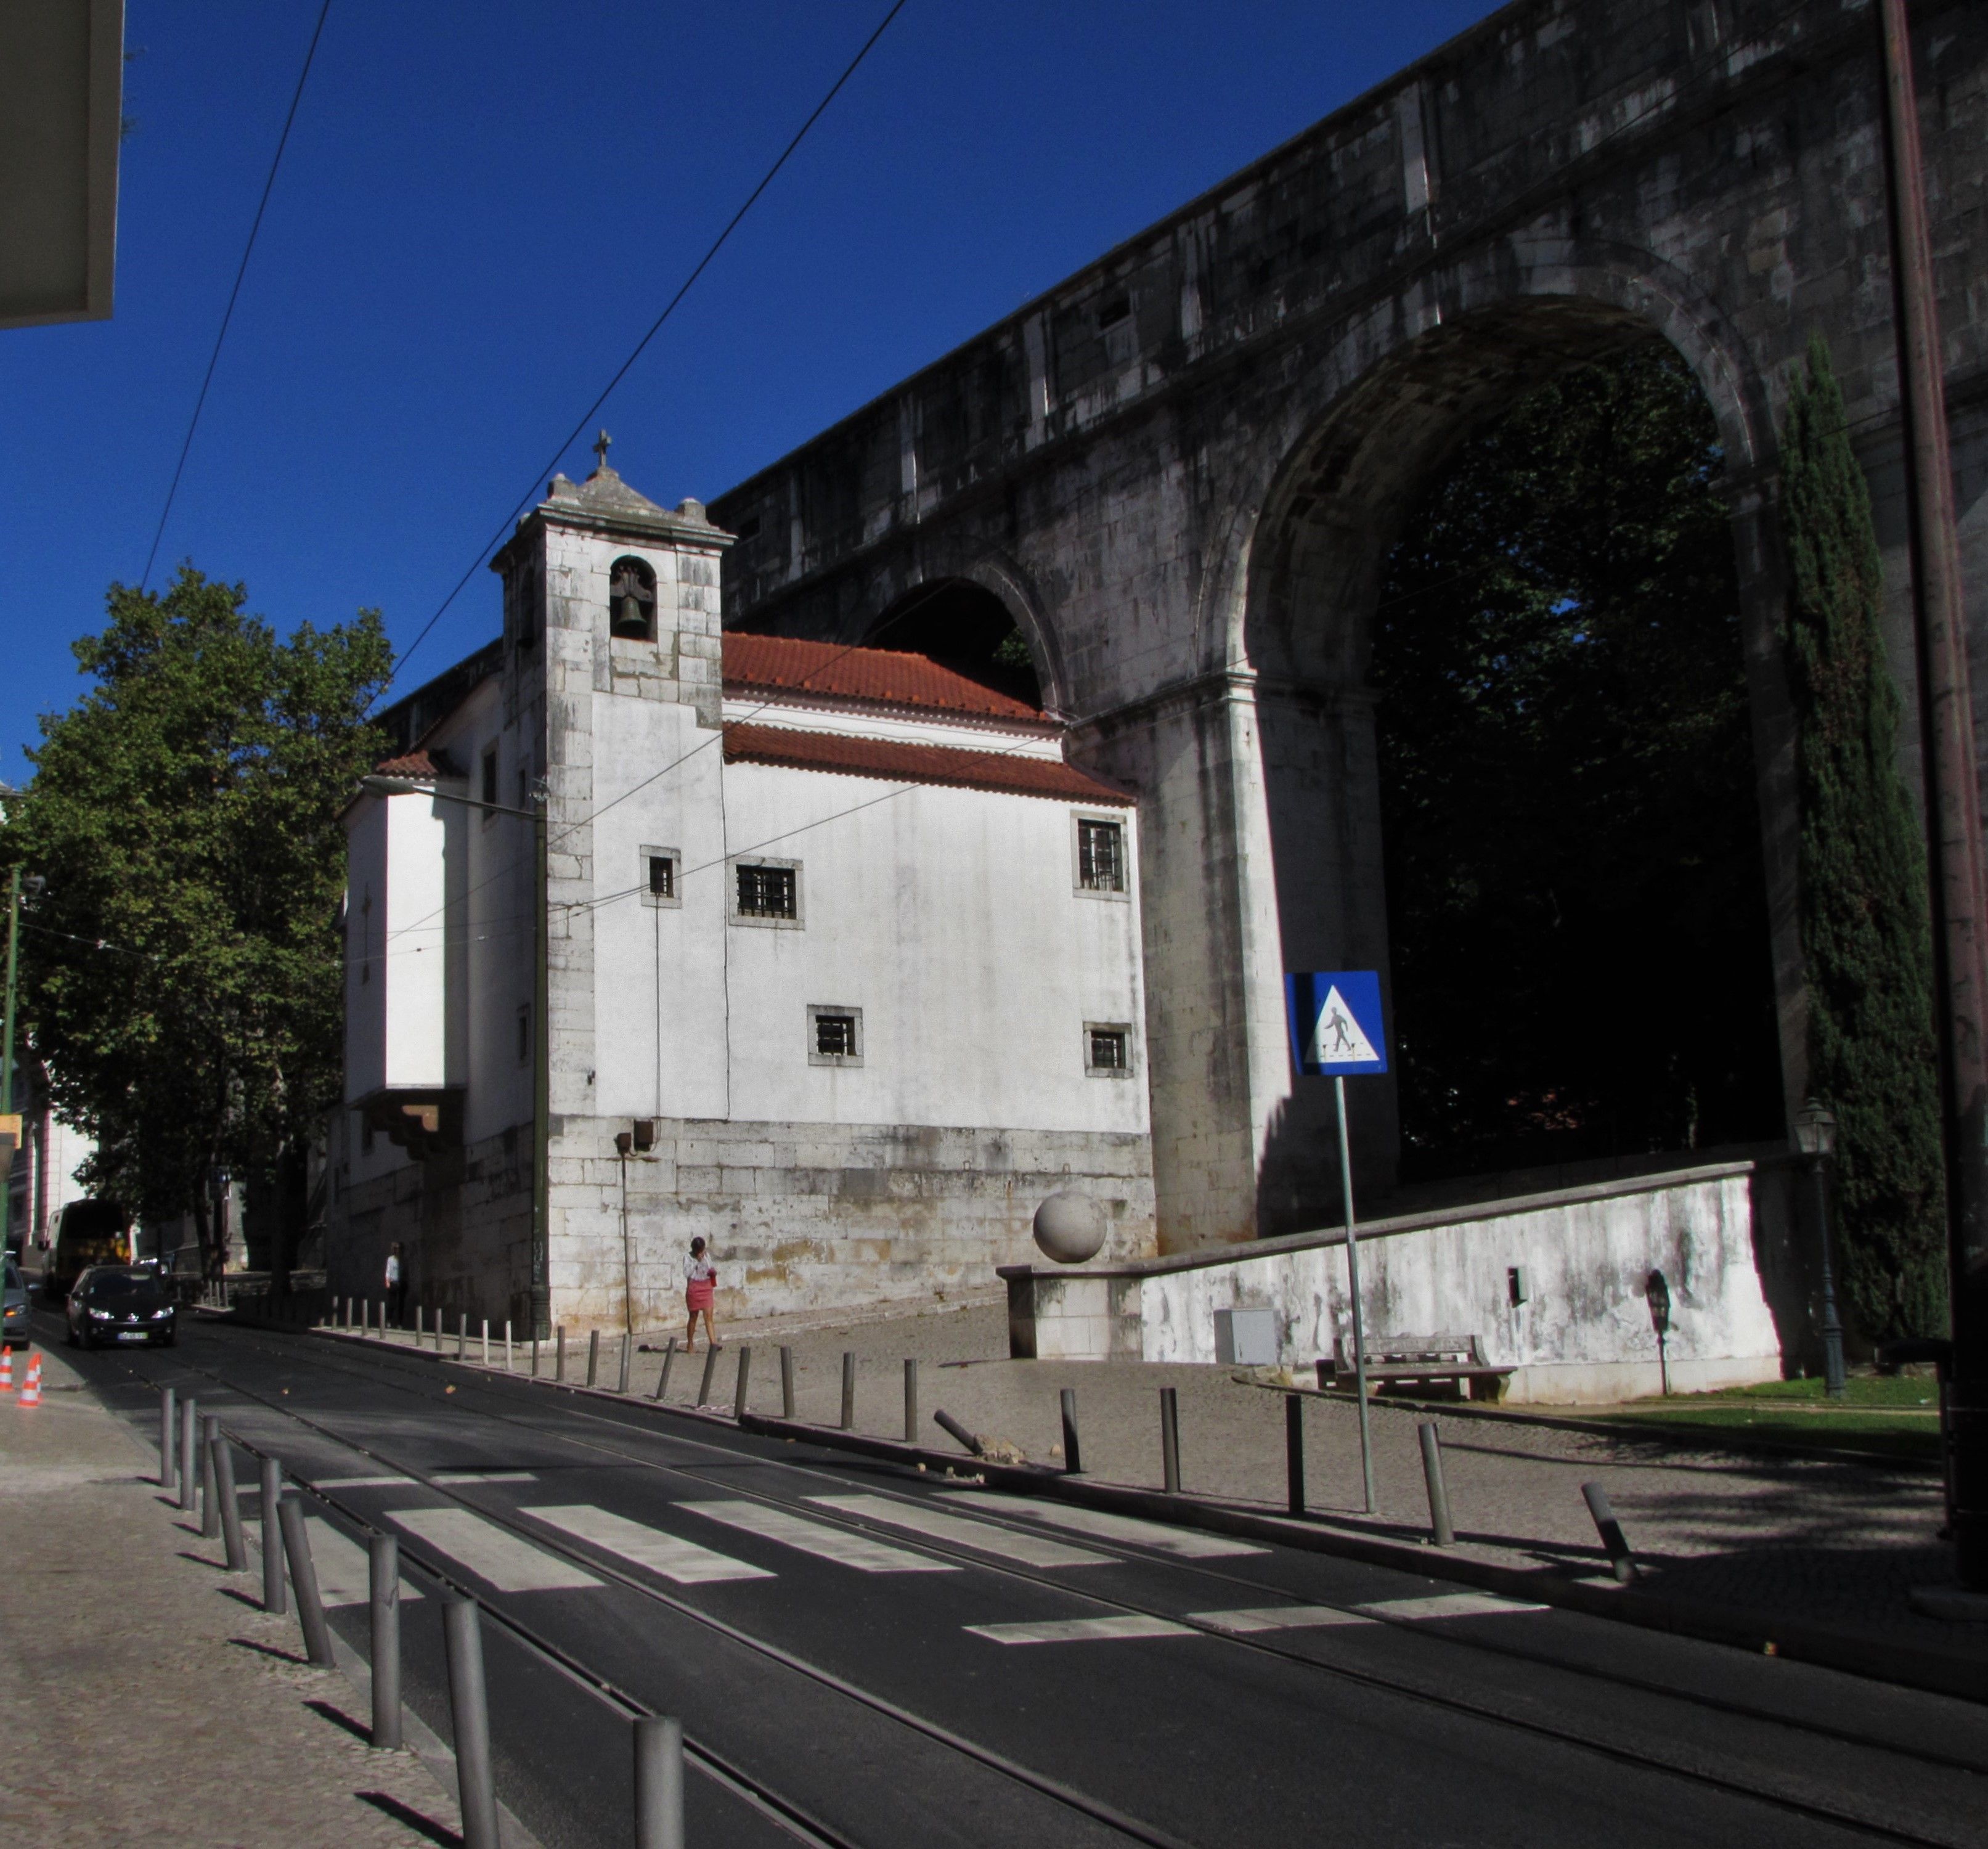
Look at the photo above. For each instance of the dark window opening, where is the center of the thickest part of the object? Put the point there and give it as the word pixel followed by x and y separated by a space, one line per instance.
pixel 662 876
pixel 748 531
pixel 1101 856
pixel 490 775
pixel 1109 1051
pixel 835 1036
pixel 524 1034
pixel 768 892
pixel 1114 309
pixel 631 601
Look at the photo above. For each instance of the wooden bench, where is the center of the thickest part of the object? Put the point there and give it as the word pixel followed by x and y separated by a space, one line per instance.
pixel 1403 1361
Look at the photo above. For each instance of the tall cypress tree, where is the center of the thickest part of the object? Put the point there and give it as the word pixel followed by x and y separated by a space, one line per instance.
pixel 1865 934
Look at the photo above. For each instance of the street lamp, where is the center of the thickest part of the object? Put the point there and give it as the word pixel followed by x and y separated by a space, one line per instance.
pixel 1815 1135
pixel 542 1300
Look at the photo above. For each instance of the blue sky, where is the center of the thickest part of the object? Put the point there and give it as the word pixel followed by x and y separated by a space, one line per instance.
pixel 482 206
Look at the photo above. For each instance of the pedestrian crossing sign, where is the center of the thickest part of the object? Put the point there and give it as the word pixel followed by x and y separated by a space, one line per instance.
pixel 1335 1021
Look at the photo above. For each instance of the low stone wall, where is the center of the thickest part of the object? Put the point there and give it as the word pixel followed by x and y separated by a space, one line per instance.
pixel 1553 1285
pixel 799 1216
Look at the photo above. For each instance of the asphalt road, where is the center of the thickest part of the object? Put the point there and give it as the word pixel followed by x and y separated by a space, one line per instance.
pixel 865 1656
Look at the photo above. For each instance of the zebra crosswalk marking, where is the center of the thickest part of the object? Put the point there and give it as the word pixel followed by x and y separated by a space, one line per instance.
pixel 817 1538
pixel 491 1552
pixel 1073 1630
pixel 1187 1543
pixel 963 1531
pixel 1279 1617
pixel 674 1558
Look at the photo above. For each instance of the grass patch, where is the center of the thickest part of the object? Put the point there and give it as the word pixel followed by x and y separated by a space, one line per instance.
pixel 1895 1418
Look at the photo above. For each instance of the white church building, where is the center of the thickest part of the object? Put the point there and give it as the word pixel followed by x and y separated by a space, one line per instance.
pixel 838 944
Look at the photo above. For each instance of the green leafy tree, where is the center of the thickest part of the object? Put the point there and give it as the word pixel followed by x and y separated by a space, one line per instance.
pixel 183 971
pixel 1864 930
pixel 1577 905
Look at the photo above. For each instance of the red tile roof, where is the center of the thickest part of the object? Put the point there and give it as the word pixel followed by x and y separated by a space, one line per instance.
pixel 878 676
pixel 905 763
pixel 417 766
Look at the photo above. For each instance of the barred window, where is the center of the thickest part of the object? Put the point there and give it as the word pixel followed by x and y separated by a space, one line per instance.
pixel 768 892
pixel 662 876
pixel 1107 1050
pixel 835 1034
pixel 1101 856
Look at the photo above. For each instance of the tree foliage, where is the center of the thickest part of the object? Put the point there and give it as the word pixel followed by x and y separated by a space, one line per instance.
pixel 1865 934
pixel 182 974
pixel 1576 906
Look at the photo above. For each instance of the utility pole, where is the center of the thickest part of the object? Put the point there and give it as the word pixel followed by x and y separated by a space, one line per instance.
pixel 7 1111
pixel 1952 800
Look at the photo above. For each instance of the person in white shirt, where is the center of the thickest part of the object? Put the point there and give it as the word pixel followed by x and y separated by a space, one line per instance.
pixel 700 1286
pixel 397 1284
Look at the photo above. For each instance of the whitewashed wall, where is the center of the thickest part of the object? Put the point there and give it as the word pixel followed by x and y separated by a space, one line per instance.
pixel 1583 1333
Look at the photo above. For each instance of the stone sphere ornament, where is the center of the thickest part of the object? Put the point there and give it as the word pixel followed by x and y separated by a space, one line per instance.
pixel 1069 1227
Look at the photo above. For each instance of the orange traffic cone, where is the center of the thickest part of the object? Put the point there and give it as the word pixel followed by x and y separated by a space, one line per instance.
pixel 30 1393
pixel 6 1368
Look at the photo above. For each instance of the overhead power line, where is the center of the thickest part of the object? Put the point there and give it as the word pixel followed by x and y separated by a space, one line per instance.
pixel 655 327
pixel 228 314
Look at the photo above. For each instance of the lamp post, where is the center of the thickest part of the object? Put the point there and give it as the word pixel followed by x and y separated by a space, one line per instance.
pixel 541 1285
pixel 7 1064
pixel 1815 1134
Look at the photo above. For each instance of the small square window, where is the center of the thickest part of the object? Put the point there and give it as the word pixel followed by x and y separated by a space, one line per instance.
pixel 766 892
pixel 1100 855
pixel 1107 1050
pixel 660 871
pixel 835 1034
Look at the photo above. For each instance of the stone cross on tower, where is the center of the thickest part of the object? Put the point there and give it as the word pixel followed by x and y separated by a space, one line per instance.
pixel 600 448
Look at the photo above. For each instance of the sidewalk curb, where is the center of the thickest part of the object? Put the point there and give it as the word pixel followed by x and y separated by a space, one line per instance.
pixel 1957 1673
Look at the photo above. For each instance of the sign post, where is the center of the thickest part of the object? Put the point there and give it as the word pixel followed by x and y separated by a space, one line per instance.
pixel 1336 1028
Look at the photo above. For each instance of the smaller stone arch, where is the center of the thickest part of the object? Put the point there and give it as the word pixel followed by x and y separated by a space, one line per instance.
pixel 966 621
pixel 631 600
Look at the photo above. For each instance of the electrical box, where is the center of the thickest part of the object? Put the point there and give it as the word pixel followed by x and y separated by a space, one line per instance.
pixel 1246 1338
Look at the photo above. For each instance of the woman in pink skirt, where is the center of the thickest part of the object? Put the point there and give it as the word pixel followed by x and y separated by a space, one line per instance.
pixel 700 1286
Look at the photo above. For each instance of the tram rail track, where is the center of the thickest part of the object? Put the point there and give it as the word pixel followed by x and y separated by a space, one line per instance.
pixel 405 1377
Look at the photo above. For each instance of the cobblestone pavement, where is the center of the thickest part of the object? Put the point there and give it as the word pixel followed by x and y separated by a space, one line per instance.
pixel 145 1697
pixel 1834 1540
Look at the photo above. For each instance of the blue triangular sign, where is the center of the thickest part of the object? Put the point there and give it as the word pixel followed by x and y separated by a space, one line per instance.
pixel 1335 1021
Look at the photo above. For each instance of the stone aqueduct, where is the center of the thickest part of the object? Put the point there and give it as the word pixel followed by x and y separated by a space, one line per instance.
pixel 1181 469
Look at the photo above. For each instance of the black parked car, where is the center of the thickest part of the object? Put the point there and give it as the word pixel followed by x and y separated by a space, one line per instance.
pixel 121 1303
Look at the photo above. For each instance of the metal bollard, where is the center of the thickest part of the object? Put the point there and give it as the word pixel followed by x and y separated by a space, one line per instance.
pixel 1438 1496
pixel 911 1402
pixel 461 1335
pixel 168 1410
pixel 383 1590
pixel 786 1381
pixel 659 1783
pixel 420 1322
pixel 947 1424
pixel 1610 1531
pixel 745 1370
pixel 303 1578
pixel 1294 1474
pixel 848 1392
pixel 230 1502
pixel 593 1356
pixel 535 1354
pixel 486 1341
pixel 274 1599
pixel 704 1386
pixel 1072 1461
pixel 189 1451
pixel 469 1716
pixel 210 1491
pixel 1170 1439
pixel 627 1345
pixel 559 1353
pixel 669 1361
pixel 507 1345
